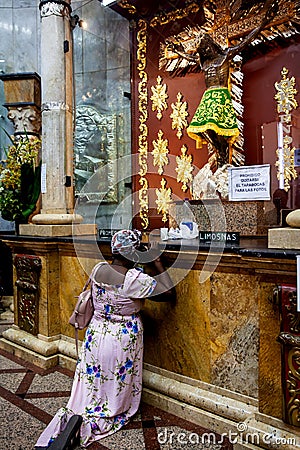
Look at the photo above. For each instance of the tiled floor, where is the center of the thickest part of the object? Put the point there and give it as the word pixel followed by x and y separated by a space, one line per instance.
pixel 29 397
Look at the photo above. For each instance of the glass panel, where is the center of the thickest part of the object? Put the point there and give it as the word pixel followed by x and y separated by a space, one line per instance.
pixel 96 147
pixel 102 129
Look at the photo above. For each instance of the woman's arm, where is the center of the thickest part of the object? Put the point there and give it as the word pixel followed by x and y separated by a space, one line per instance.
pixel 164 289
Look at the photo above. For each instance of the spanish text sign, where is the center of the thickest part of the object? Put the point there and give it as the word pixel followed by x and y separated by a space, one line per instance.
pixel 249 183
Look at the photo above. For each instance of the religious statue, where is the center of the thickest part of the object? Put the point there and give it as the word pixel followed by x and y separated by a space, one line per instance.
pixel 214 120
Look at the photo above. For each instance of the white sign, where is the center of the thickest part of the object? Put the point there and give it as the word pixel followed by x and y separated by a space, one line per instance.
pixel 249 183
pixel 297 157
pixel 43 179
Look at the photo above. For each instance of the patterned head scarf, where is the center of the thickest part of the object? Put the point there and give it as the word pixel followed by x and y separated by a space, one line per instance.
pixel 125 241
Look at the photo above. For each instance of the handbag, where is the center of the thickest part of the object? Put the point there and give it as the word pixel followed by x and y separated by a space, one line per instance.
pixel 84 308
pixel 83 311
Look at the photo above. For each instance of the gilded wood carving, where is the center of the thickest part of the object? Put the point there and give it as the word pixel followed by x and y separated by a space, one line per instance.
pixel 184 168
pixel 160 152
pixel 164 199
pixel 286 102
pixel 289 338
pixel 143 129
pixel 28 270
pixel 179 115
pixel 159 97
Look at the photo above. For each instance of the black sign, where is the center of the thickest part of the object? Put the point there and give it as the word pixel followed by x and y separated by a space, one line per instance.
pixel 211 237
pixel 106 233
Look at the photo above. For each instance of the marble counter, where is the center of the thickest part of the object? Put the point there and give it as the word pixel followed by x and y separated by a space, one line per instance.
pixel 222 330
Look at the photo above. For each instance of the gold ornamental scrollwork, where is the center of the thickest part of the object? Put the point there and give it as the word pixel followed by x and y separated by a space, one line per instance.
pixel 28 270
pixel 126 5
pixel 159 97
pixel 184 168
pixel 164 18
pixel 164 199
pixel 293 315
pixel 292 376
pixel 286 102
pixel 160 152
pixel 293 408
pixel 179 115
pixel 143 129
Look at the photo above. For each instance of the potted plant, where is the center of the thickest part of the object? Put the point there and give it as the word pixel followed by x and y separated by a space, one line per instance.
pixel 20 183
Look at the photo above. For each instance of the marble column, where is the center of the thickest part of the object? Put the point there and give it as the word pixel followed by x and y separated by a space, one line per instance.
pixel 26 120
pixel 23 101
pixel 57 115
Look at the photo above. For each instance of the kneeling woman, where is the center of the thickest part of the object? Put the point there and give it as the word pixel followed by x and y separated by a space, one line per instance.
pixel 107 384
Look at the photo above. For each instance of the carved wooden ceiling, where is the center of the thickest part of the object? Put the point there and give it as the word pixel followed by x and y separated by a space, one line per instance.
pixel 236 16
pixel 147 10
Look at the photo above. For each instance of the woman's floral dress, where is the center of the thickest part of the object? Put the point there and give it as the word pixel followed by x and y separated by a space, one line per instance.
pixel 107 384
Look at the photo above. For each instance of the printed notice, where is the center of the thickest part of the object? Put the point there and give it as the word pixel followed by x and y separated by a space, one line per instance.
pixel 297 157
pixel 43 179
pixel 249 183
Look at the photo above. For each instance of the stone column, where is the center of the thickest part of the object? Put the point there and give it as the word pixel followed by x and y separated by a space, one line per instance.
pixel 57 115
pixel 23 101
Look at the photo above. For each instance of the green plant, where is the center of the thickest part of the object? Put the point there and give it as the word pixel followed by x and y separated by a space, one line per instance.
pixel 20 179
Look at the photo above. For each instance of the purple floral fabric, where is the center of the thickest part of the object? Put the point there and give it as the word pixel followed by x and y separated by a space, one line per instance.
pixel 107 383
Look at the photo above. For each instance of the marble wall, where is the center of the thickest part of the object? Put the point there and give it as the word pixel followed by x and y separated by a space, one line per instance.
pixel 75 270
pixel 222 332
pixel 19 36
pixel 211 334
pixel 177 337
pixel 20 49
pixel 102 76
pixel 247 218
pixel 270 401
pixel 235 332
pixel 213 354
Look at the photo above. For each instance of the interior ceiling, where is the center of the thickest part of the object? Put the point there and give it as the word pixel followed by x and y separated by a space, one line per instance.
pixel 145 9
pixel 283 30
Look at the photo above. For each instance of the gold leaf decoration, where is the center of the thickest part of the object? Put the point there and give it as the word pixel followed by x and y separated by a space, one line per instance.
pixel 179 115
pixel 163 17
pixel 286 102
pixel 164 199
pixel 160 152
pixel 159 97
pixel 126 5
pixel 184 168
pixel 143 129
pixel 286 93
